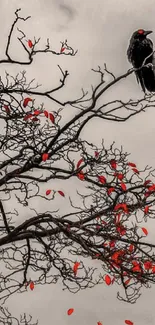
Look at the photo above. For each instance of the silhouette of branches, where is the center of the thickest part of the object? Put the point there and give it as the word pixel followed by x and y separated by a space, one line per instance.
pixel 7 318
pixel 38 147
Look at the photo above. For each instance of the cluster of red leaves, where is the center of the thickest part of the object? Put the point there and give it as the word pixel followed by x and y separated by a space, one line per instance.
pixel 35 113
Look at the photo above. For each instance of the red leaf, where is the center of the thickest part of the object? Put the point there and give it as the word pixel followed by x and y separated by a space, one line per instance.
pixel 62 49
pixel 119 176
pixel 128 322
pixel 96 154
pixel 127 282
pixel 75 267
pixel 112 243
pixel 99 323
pixel 131 164
pixel 131 248
pixel 27 116
pixel 147 182
pixel 45 156
pixel 7 109
pixel 30 44
pixel 79 163
pixel 52 118
pixel 136 268
pixel 70 311
pixel 110 190
pixel 46 113
pixel 146 210
pixel 123 186
pixel 35 119
pixel 147 265
pixel 113 163
pixel 107 280
pixel 102 179
pixel 31 285
pixel 121 206
pixel 145 231
pixel 36 112
pixel 135 170
pixel 81 176
pixel 151 188
pixel 26 101
pixel 61 193
pixel 48 192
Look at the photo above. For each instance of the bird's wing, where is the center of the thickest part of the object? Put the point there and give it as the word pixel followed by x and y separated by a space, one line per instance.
pixel 129 54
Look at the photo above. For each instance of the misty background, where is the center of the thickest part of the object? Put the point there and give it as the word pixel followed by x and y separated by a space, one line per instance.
pixel 100 30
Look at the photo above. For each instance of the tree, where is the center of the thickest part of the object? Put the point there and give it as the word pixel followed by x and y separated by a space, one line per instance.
pixel 116 199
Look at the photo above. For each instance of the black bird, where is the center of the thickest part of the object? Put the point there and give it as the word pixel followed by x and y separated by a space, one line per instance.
pixel 139 48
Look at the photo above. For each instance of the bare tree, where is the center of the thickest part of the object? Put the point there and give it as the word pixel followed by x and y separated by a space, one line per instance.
pixel 107 224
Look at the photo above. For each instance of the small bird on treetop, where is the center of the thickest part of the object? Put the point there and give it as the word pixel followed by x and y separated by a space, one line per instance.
pixel 139 49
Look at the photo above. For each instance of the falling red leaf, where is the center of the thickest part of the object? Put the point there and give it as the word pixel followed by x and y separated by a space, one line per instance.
pixel 96 154
pixel 75 267
pixel 128 322
pixel 131 164
pixel 146 210
pixel 110 190
pixel 102 179
pixel 135 170
pixel 51 117
pixel 145 231
pixel 113 163
pixel 31 285
pixel 48 192
pixel 46 113
pixel 30 44
pixel 81 176
pixel 45 156
pixel 107 280
pixel 70 311
pixel 79 163
pixel 99 323
pixel 61 193
pixel 27 116
pixel 123 186
pixel 7 109
pixel 62 49
pixel 26 101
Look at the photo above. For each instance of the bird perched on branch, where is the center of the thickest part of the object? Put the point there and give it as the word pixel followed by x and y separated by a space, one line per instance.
pixel 139 49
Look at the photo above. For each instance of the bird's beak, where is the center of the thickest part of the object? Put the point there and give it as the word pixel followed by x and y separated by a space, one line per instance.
pixel 147 32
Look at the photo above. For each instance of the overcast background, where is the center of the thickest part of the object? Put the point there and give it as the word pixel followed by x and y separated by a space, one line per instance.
pixel 100 30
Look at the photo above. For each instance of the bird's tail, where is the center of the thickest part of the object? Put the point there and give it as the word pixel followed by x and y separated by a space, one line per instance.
pixel 149 78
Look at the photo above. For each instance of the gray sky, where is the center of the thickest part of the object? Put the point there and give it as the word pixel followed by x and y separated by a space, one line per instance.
pixel 100 30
